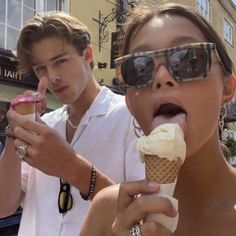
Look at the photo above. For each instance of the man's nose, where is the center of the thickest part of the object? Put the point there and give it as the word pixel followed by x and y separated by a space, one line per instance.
pixel 53 76
pixel 163 78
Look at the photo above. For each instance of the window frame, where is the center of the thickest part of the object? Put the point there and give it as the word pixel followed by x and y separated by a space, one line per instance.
pixel 63 5
pixel 226 39
pixel 200 3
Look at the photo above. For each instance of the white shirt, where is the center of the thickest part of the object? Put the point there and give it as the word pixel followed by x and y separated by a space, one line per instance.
pixel 105 137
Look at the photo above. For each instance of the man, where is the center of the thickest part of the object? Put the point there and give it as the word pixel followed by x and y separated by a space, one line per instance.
pixel 86 145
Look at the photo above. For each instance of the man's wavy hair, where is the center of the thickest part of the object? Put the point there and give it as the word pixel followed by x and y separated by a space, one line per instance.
pixel 47 25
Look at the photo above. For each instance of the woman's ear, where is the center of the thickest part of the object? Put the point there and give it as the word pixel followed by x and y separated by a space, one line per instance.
pixel 229 89
pixel 88 54
pixel 128 104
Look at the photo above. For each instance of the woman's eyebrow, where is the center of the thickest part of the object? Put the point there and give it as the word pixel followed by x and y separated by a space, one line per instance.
pixel 185 39
pixel 142 48
pixel 176 41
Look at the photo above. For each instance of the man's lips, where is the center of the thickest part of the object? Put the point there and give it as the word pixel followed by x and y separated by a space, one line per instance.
pixel 61 89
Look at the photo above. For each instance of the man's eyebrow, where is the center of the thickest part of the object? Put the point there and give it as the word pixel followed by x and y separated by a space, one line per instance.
pixel 51 59
pixel 58 56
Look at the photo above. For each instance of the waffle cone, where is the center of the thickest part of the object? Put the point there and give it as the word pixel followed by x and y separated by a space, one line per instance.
pixel 161 170
pixel 25 108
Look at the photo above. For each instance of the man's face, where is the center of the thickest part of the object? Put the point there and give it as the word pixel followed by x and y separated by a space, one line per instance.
pixel 66 71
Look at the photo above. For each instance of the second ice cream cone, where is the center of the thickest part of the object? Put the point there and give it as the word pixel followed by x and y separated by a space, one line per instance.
pixel 25 105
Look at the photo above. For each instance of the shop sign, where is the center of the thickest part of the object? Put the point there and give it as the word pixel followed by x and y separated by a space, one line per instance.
pixel 116 41
pixel 9 74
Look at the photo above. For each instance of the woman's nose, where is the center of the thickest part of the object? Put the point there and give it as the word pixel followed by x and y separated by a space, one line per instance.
pixel 163 78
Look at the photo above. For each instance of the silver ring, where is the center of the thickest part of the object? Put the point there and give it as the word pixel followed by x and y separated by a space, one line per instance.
pixel 135 230
pixel 21 151
pixel 35 94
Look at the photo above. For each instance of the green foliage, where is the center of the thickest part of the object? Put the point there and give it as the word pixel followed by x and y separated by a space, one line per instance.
pixel 231 145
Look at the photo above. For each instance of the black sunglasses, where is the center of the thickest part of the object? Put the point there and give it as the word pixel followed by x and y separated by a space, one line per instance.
pixel 65 200
pixel 185 63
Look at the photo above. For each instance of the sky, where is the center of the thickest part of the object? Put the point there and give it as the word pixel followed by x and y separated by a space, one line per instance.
pixel 234 1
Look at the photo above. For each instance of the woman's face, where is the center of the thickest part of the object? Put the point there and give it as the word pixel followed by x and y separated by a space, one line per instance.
pixel 194 104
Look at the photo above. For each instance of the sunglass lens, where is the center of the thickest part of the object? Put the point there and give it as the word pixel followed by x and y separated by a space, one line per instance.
pixel 137 70
pixel 65 201
pixel 188 63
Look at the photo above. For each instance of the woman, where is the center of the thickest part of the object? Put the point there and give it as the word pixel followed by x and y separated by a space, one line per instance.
pixel 186 80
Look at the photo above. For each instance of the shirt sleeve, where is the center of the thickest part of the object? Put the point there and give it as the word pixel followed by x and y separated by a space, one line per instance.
pixel 24 175
pixel 134 168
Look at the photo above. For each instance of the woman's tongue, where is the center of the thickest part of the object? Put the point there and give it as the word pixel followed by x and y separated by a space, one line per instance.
pixel 179 118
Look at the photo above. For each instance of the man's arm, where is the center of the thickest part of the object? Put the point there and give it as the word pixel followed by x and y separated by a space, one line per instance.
pixel 80 176
pixel 10 180
pixel 53 155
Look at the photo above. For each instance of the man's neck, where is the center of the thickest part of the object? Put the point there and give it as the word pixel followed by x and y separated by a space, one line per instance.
pixel 77 110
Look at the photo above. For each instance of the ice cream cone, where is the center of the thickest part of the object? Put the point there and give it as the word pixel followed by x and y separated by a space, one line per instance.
pixel 161 170
pixel 25 106
pixel 163 152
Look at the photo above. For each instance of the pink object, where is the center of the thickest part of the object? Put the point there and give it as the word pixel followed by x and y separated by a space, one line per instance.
pixel 20 99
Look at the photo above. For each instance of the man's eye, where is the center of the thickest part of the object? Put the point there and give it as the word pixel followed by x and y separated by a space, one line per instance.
pixel 61 61
pixel 38 69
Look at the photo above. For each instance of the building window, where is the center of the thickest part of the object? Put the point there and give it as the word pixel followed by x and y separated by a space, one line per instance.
pixel 59 5
pixel 228 32
pixel 14 14
pixel 203 8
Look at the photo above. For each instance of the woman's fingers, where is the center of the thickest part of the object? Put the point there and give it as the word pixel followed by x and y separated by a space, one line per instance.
pixel 150 203
pixel 129 190
pixel 153 229
pixel 135 200
pixel 150 228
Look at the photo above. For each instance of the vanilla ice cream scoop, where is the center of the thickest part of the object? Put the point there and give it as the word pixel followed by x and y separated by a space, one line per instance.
pixel 165 141
pixel 163 152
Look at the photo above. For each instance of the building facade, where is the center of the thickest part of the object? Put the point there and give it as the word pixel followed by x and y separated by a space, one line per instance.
pixel 101 18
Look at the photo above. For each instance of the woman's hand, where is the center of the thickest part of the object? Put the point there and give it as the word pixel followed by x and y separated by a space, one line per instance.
pixel 131 209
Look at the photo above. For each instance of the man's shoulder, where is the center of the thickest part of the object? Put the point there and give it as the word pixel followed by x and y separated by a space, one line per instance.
pixel 114 102
pixel 111 96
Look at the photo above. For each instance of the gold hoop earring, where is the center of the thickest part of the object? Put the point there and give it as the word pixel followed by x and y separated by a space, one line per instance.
pixel 137 128
pixel 222 117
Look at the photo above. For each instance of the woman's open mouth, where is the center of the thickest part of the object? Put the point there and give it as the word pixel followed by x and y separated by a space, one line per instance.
pixel 170 113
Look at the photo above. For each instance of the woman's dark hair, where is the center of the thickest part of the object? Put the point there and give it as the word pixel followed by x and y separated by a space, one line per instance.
pixel 142 14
